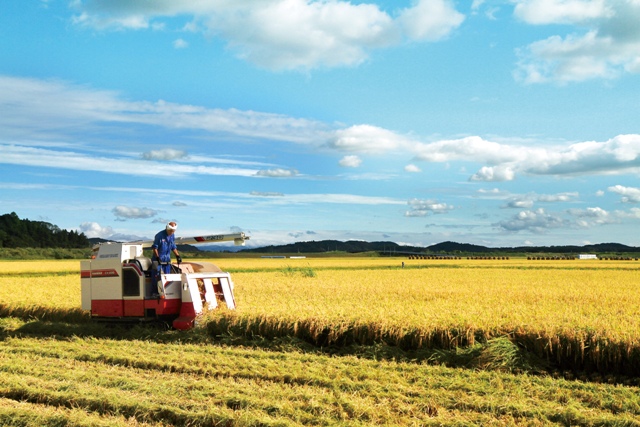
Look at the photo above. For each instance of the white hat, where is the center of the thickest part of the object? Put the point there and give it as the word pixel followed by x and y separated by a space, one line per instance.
pixel 172 226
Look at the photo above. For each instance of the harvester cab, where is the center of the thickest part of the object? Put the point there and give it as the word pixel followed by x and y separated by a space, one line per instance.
pixel 116 284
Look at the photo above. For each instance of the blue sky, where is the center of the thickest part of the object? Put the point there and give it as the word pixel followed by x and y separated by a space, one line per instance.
pixel 499 123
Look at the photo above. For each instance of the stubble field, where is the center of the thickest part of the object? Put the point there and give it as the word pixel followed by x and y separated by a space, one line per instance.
pixel 336 341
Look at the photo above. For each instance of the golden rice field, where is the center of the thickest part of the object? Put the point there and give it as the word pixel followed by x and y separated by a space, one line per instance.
pixel 580 316
pixel 582 313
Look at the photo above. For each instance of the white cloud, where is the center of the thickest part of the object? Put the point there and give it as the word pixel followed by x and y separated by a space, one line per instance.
pixel 618 155
pixel 72 160
pixel 494 174
pixel 418 208
pixel 284 34
pixel 560 197
pixel 93 229
pixel 629 194
pixel 590 217
pixel 520 204
pixel 526 201
pixel 277 173
pixel 180 44
pixel 536 221
pixel 430 19
pixel 475 5
pixel 608 46
pixel 126 212
pixel 633 213
pixel 350 161
pixel 39 112
pixel 300 34
pixel 266 194
pixel 596 212
pixel 494 192
pixel 469 148
pixel 412 168
pixel 540 12
pixel 366 139
pixel 164 154
pixel 55 110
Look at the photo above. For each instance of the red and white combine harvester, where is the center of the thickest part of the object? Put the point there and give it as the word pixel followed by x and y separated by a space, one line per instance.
pixel 117 284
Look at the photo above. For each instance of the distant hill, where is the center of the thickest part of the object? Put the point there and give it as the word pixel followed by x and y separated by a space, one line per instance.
pixel 350 246
pixel 23 233
pixel 356 246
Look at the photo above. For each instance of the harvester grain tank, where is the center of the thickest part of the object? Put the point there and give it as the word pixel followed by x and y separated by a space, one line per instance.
pixel 116 283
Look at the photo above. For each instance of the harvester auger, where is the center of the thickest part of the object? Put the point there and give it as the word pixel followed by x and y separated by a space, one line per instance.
pixel 116 284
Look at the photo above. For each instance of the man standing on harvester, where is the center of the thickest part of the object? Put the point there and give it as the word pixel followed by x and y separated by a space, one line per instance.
pixel 163 244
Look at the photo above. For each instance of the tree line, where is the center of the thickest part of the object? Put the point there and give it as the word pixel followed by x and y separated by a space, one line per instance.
pixel 23 233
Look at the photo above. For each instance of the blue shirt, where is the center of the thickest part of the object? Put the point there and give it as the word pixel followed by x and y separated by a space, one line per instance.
pixel 165 243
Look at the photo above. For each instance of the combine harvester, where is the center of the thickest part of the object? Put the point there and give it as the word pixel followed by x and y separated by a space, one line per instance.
pixel 116 284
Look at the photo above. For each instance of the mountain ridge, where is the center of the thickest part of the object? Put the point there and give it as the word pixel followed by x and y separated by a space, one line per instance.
pixel 355 246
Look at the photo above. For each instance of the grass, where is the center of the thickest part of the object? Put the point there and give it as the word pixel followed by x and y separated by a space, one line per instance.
pixel 299 271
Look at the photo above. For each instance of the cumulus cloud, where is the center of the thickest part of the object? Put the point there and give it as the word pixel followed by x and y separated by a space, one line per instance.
pixel 430 20
pixel 419 208
pixel 560 197
pixel 412 168
pixel 591 216
pixel 277 173
pixel 164 154
pixel 126 212
pixel 469 148
pixel 535 221
pixel 561 11
pixel 629 194
pixel 608 47
pixel 285 34
pixel 617 155
pixel 350 161
pixel 494 174
pixel 367 139
pixel 526 201
pixel 93 229
pixel 633 213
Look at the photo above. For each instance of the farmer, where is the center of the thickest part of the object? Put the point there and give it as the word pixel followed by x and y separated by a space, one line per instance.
pixel 163 244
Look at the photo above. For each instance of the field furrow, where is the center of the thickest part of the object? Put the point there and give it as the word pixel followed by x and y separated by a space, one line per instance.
pixel 188 384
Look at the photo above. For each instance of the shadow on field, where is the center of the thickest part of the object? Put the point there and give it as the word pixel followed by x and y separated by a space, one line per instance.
pixel 42 312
